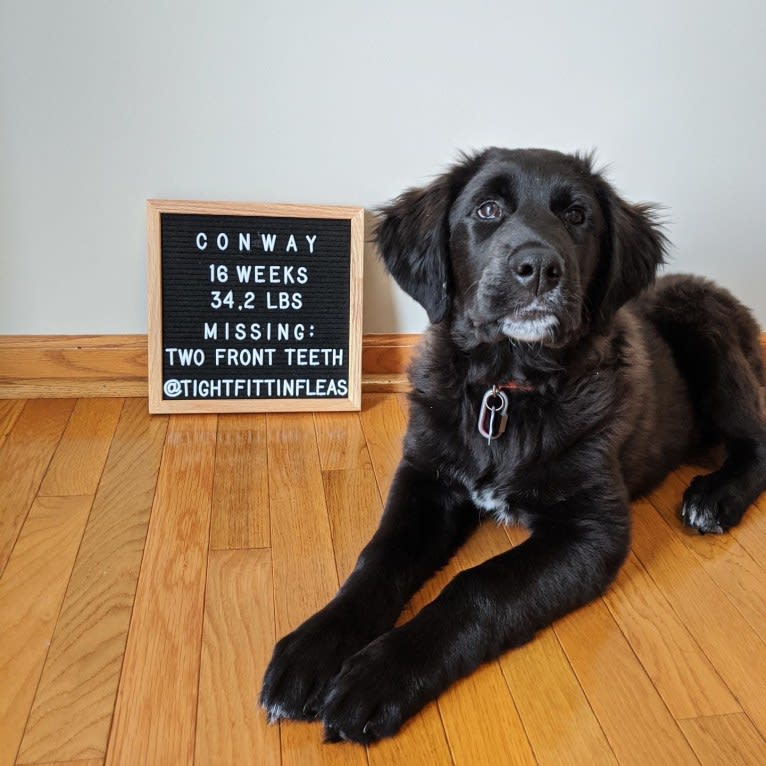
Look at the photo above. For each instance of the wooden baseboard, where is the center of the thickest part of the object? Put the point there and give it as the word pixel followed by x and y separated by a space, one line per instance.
pixel 38 366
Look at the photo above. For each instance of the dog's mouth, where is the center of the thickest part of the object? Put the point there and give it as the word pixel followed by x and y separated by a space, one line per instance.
pixel 533 326
pixel 528 325
pixel 549 323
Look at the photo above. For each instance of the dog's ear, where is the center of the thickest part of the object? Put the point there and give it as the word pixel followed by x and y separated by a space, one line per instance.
pixel 413 239
pixel 633 248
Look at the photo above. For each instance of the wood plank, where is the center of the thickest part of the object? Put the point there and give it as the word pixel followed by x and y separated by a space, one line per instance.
pixel 155 712
pixel 73 707
pixel 679 669
pixel 751 531
pixel 557 717
pixel 354 508
pixel 387 383
pixel 389 352
pixel 305 576
pixel 420 741
pixel 634 718
pixel 73 365
pixel 730 644
pixel 725 739
pixel 237 640
pixel 81 453
pixel 241 487
pixel 482 721
pixel 72 342
pixel 31 590
pixel 99 363
pixel 87 762
pixel 341 441
pixel 10 409
pixel 384 425
pixel 53 388
pixel 52 356
pixel 24 456
pixel 731 567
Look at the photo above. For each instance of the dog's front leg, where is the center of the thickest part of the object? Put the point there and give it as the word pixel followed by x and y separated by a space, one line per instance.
pixel 568 561
pixel 424 522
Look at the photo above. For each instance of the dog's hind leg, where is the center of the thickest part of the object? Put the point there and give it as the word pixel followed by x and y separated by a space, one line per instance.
pixel 717 501
pixel 715 341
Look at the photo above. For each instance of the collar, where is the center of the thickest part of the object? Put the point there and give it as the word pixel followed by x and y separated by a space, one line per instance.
pixel 517 386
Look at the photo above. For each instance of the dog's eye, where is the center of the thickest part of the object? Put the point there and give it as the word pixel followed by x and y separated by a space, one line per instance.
pixel 489 210
pixel 575 216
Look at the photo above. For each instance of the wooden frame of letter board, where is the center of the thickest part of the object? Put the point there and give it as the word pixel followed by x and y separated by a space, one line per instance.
pixel 159 405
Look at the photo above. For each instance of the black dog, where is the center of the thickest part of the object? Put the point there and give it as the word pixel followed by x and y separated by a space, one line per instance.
pixel 551 388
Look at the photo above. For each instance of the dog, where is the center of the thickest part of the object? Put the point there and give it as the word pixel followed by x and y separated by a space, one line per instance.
pixel 557 380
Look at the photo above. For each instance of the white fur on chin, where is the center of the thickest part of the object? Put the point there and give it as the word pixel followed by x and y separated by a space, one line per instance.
pixel 530 330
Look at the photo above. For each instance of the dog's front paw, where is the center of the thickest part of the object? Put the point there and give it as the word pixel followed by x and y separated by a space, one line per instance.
pixel 303 664
pixel 376 691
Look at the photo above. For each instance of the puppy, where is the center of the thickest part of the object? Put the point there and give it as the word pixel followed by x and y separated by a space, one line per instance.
pixel 555 383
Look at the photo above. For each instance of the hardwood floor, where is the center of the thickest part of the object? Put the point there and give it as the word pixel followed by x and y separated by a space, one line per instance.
pixel 147 565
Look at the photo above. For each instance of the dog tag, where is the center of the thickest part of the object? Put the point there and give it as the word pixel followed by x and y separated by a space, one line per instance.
pixel 493 414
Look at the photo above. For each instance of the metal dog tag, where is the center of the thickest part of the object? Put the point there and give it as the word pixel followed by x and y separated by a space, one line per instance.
pixel 493 414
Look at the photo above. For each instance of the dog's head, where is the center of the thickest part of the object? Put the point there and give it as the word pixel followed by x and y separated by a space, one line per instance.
pixel 526 244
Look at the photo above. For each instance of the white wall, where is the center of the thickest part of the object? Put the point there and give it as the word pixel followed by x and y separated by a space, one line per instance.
pixel 104 104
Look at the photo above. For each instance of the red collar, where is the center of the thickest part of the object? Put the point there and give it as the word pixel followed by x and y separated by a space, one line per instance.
pixel 517 385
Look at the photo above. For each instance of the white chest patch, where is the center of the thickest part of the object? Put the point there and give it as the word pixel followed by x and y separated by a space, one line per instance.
pixel 492 503
pixel 488 501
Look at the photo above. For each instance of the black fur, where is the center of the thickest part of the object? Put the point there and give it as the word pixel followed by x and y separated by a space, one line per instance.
pixel 536 274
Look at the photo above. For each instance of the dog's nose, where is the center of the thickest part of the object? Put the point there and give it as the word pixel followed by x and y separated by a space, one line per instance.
pixel 538 270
